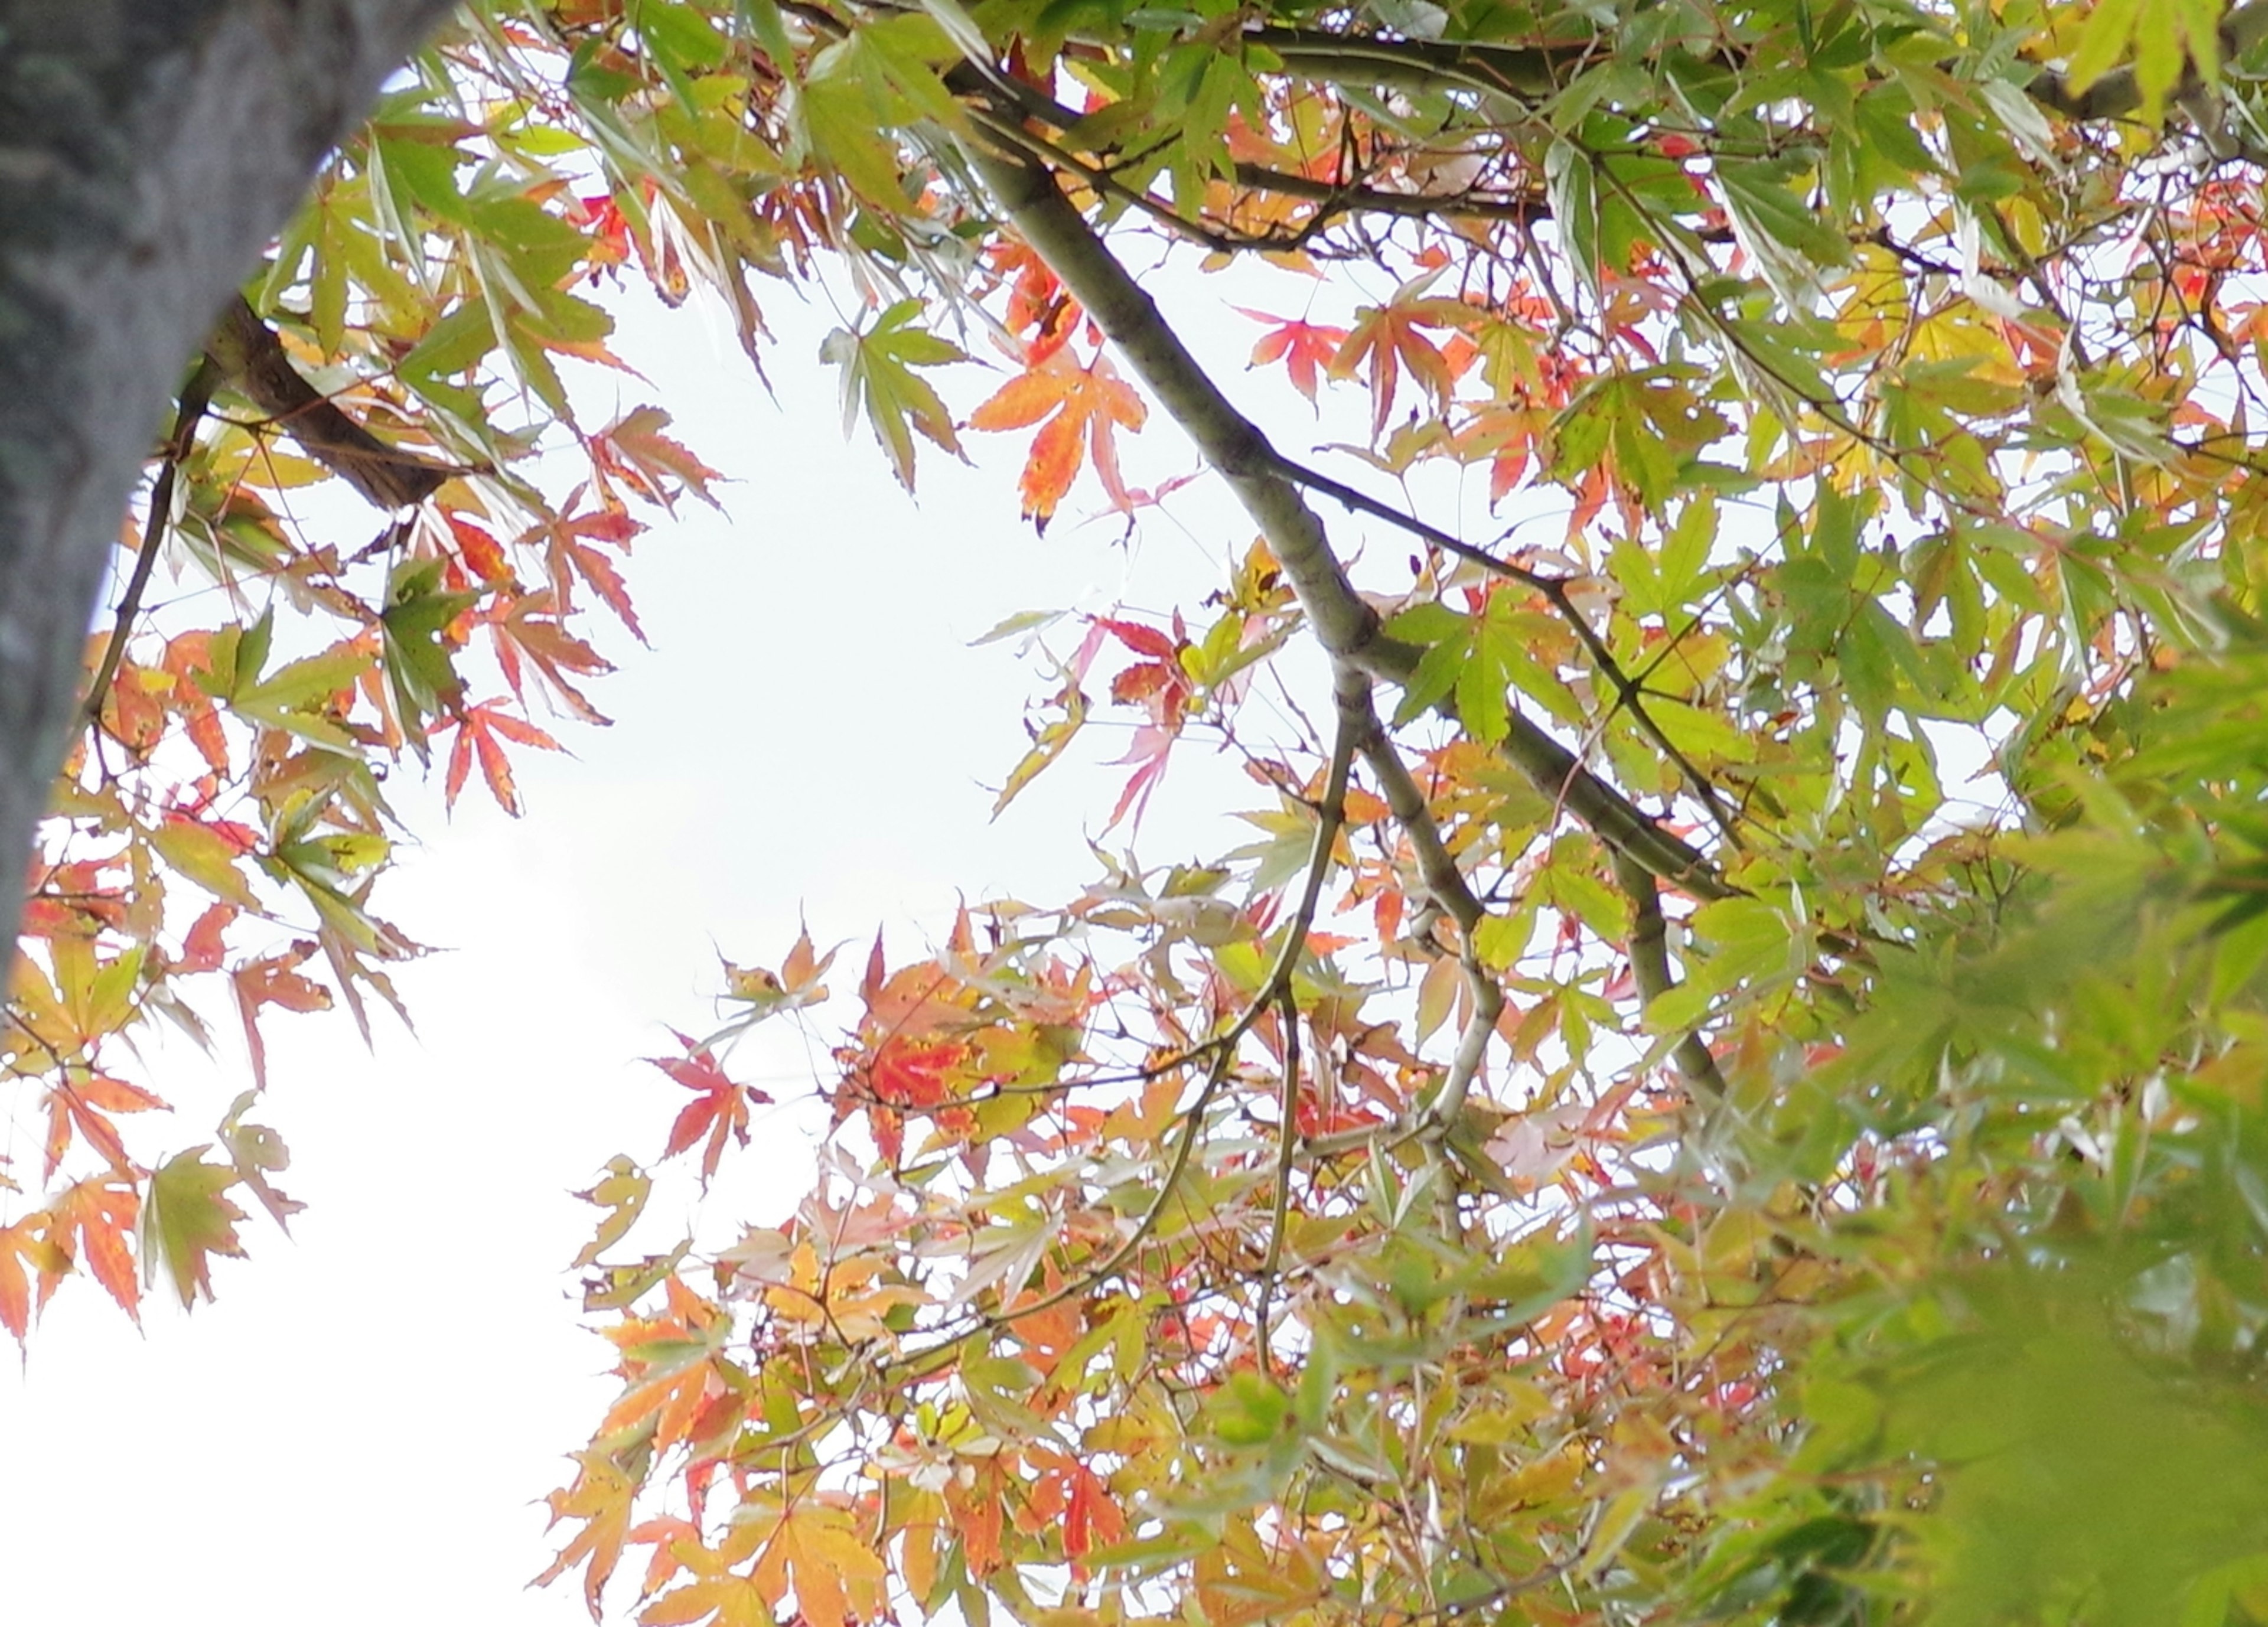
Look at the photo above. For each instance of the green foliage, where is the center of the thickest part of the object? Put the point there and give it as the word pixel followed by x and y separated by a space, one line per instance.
pixel 1738 1098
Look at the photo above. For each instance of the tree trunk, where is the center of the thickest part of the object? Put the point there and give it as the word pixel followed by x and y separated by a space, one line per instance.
pixel 148 150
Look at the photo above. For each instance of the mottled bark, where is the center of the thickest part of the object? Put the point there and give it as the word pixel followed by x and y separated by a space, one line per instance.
pixel 148 148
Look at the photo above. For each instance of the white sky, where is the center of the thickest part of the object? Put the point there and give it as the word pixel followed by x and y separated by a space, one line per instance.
pixel 358 1430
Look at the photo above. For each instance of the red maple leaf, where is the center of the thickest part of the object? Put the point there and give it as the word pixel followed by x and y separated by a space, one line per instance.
pixel 528 629
pixel 568 554
pixel 635 451
pixel 720 1107
pixel 478 731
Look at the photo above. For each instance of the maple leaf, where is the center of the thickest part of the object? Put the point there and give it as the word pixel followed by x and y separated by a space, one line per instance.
pixel 1083 408
pixel 420 677
pixel 28 1243
pixel 257 1152
pixel 671 1368
pixel 204 946
pixel 480 555
pixel 185 1221
pixel 600 1498
pixel 1049 741
pixel 623 1194
pixel 634 448
pixel 878 366
pixel 794 986
pixel 529 627
pixel 1070 1492
pixel 185 657
pixel 81 1106
pixel 92 1222
pixel 1385 339
pixel 1302 346
pixel 837 1574
pixel 568 555
pixel 719 1107
pixel 274 980
pixel 478 729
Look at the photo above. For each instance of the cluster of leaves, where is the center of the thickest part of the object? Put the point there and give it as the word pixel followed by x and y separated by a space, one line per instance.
pixel 1624 1142
pixel 1706 1167
pixel 359 544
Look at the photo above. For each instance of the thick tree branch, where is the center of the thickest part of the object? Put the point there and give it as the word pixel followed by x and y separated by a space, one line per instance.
pixel 1347 628
pixel 1649 957
pixel 148 148
pixel 252 357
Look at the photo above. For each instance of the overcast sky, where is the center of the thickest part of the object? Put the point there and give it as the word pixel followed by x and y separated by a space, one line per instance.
pixel 357 1432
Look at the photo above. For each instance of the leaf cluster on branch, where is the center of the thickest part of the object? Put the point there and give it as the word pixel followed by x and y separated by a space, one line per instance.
pixel 1734 1059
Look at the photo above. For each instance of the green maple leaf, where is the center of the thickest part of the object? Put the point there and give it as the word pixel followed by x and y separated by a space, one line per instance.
pixel 878 378
pixel 185 1221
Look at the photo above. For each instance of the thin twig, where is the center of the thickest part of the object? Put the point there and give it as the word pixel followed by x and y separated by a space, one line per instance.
pixel 1554 589
pixel 196 395
pixel 1453 896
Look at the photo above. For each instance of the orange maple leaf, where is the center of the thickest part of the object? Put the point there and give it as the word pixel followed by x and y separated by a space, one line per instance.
pixel 1385 339
pixel 1303 347
pixel 274 980
pixel 1084 407
pixel 600 1499
pixel 29 1241
pixel 83 1106
pixel 100 1213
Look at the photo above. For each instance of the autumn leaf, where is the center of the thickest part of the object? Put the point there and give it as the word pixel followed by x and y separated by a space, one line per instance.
pixel 837 1574
pixel 621 1193
pixel 185 1221
pixel 1049 741
pixel 481 554
pixel 1303 347
pixel 1387 339
pixel 794 986
pixel 529 628
pixel 634 448
pixel 93 1221
pixel 1083 408
pixel 570 555
pixel 601 1497
pixel 673 1369
pixel 273 980
pixel 719 1107
pixel 27 1243
pixel 482 731
pixel 81 1106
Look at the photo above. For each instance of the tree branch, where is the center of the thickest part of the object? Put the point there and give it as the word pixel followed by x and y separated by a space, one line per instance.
pixel 148 148
pixel 1649 957
pixel 249 353
pixel 1347 628
pixel 196 395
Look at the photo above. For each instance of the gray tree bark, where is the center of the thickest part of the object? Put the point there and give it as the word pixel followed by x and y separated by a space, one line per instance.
pixel 148 150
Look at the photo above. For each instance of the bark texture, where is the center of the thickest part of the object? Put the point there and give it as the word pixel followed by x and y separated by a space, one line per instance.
pixel 148 150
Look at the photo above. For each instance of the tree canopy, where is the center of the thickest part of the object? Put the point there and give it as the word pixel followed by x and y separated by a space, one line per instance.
pixel 1724 1082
